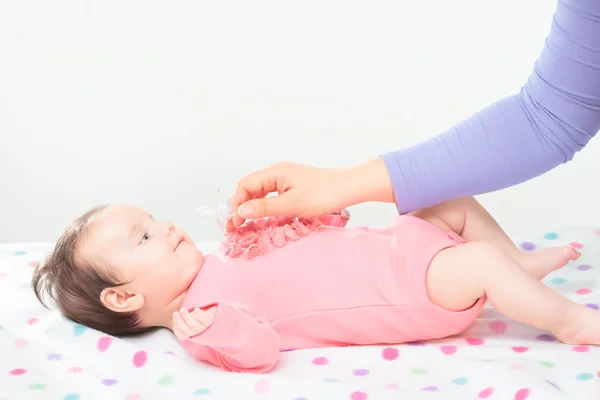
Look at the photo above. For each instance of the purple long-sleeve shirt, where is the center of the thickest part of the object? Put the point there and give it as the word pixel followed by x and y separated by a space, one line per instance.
pixel 520 137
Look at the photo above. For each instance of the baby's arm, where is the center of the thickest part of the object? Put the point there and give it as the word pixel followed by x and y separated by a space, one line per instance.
pixel 236 340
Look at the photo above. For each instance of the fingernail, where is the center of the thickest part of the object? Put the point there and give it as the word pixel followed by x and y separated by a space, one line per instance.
pixel 245 210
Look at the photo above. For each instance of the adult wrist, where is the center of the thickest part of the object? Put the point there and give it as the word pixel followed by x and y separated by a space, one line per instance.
pixel 367 182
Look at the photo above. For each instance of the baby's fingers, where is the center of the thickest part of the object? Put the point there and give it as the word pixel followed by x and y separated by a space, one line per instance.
pixel 205 317
pixel 192 321
pixel 180 325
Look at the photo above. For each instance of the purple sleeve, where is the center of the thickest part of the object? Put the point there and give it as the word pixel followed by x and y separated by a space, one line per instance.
pixel 518 138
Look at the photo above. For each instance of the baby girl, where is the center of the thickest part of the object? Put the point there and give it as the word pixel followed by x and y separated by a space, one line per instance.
pixel 305 284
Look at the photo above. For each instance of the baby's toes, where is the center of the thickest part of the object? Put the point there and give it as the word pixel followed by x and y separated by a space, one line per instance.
pixel 573 253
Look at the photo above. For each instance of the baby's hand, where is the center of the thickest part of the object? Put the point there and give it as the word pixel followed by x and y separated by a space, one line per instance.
pixel 187 324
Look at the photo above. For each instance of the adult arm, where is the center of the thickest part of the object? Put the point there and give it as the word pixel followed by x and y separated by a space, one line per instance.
pixel 520 137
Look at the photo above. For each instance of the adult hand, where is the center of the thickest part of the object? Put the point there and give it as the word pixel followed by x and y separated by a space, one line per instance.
pixel 306 191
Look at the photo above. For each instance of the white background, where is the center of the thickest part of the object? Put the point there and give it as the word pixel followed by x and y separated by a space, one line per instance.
pixel 160 103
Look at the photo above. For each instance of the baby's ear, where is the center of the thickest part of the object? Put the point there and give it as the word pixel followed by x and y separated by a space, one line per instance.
pixel 119 300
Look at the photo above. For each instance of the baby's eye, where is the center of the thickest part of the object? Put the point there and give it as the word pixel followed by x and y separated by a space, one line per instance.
pixel 145 237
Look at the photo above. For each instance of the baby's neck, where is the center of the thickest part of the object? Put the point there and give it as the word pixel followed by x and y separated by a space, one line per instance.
pixel 164 317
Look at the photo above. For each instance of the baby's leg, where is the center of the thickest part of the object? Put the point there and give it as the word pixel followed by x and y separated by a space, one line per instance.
pixel 460 275
pixel 470 220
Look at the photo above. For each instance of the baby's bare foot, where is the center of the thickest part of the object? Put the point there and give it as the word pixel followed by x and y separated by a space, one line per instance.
pixel 542 262
pixel 583 327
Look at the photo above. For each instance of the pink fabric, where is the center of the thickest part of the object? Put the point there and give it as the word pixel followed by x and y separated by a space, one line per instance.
pixel 334 287
pixel 259 237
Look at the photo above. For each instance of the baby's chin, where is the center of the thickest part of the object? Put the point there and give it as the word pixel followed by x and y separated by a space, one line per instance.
pixel 198 259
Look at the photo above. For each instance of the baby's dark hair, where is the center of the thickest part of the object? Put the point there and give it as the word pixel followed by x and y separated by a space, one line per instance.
pixel 76 285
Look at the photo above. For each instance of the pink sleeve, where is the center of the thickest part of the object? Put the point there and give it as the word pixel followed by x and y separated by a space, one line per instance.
pixel 238 340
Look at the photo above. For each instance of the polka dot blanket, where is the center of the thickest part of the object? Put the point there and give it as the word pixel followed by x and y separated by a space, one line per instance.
pixel 44 356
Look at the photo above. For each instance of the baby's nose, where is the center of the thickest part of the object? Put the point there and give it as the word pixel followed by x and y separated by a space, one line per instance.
pixel 169 227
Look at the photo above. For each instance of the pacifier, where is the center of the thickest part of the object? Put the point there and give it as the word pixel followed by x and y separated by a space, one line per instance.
pixel 221 211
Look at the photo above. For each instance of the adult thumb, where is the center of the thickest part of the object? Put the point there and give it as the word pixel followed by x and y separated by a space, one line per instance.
pixel 260 208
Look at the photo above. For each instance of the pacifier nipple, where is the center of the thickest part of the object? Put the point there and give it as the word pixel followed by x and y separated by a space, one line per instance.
pixel 221 212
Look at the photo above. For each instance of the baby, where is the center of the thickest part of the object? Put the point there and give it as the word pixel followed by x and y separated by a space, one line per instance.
pixel 426 276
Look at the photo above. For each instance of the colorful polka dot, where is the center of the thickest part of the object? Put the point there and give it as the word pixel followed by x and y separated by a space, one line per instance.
pixel 54 357
pixel 584 267
pixel 109 382
pixel 499 327
pixel 581 349
pixel 358 396
pixel 430 389
pixel 104 343
pixel 522 394
pixel 320 361
pixel 33 264
pixel 18 371
pixel 262 386
pixel 558 281
pixel 37 386
pixel 21 343
pixel 576 245
pixel 390 353
pixel 392 386
pixel 201 392
pixel 139 358
pixel 72 396
pixel 553 385
pixel 20 253
pixel 546 338
pixel 460 381
pixel 519 349
pixel 418 371
pixel 584 376
pixel 33 321
pixel 165 380
pixel 527 246
pixel 583 291
pixel 448 350
pixel 551 236
pixel 78 330
pixel 485 393
pixel 75 370
pixel 517 366
pixel 360 372
pixel 592 305
pixel 547 364
pixel 475 341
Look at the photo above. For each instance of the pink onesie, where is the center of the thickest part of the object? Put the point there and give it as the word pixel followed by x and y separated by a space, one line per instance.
pixel 333 287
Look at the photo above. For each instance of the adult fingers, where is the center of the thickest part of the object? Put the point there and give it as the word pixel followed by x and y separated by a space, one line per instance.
pixel 266 207
pixel 254 186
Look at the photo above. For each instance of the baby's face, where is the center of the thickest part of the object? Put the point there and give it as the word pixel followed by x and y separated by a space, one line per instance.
pixel 155 259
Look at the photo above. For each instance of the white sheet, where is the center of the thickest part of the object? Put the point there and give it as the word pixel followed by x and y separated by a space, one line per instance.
pixel 43 356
